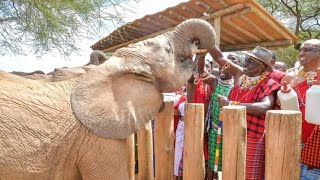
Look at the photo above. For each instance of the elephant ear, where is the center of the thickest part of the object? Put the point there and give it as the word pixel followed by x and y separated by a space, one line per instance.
pixel 115 105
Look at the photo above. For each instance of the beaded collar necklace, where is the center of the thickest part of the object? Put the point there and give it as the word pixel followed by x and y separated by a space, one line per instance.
pixel 245 84
pixel 310 75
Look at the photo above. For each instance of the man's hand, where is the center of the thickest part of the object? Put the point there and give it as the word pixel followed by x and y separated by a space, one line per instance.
pixel 222 101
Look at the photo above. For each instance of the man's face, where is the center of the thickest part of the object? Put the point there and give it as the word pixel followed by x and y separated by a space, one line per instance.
pixel 308 55
pixel 234 59
pixel 252 66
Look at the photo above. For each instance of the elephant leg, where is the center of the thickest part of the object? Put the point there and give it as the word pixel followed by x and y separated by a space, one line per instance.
pixel 104 159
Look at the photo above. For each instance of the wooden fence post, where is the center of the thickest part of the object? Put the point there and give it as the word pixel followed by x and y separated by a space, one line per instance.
pixel 164 143
pixel 234 129
pixel 145 153
pixel 193 158
pixel 131 157
pixel 283 137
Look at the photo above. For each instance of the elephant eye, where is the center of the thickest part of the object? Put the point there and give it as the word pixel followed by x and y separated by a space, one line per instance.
pixel 182 58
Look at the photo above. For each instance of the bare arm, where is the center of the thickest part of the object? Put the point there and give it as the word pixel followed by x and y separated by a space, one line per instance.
pixel 257 108
pixel 190 89
pixel 234 69
pixel 261 107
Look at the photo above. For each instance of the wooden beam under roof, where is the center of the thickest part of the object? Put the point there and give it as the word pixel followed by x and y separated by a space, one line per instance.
pixel 212 15
pixel 258 23
pixel 253 45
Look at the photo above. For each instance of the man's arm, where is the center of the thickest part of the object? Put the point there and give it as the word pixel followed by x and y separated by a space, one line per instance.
pixel 256 108
pixel 226 64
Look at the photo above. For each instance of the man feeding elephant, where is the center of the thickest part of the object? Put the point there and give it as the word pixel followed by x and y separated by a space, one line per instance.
pixel 256 91
pixel 76 129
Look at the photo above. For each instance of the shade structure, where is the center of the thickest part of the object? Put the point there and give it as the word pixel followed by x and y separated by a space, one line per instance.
pixel 241 25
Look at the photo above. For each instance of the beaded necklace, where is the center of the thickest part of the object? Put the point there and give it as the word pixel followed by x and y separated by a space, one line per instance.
pixel 215 126
pixel 310 75
pixel 245 84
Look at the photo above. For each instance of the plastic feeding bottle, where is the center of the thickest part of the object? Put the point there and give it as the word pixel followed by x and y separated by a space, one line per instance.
pixel 313 102
pixel 288 98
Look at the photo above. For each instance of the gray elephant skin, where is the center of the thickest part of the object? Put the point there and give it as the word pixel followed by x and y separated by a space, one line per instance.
pixel 77 129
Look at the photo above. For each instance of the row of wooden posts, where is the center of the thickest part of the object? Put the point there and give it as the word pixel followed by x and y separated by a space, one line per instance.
pixel 283 132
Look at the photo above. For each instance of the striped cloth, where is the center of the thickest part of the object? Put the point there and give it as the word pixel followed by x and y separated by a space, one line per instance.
pixel 178 150
pixel 309 174
pixel 255 159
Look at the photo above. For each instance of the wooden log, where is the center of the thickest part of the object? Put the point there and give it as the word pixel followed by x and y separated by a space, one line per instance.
pixel 145 152
pixel 131 157
pixel 234 142
pixel 217 28
pixel 164 143
pixel 193 157
pixel 283 137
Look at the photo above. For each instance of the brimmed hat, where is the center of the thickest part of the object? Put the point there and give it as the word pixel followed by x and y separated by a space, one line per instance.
pixel 263 55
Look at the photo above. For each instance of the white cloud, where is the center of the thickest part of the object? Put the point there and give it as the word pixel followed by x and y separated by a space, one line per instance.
pixel 48 62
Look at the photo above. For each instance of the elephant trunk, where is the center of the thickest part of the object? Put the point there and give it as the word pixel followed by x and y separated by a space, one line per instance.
pixel 192 29
pixel 97 57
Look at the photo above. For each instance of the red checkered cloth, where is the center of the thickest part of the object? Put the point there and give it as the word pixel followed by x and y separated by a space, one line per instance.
pixel 276 75
pixel 255 124
pixel 255 158
pixel 307 128
pixel 311 151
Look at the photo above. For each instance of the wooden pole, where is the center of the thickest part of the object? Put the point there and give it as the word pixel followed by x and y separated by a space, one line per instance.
pixel 164 143
pixel 217 28
pixel 193 157
pixel 234 142
pixel 283 137
pixel 131 157
pixel 145 153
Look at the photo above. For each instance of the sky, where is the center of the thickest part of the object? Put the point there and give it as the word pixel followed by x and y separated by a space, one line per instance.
pixel 48 62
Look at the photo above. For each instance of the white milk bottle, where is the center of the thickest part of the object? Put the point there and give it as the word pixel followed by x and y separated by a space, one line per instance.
pixel 288 98
pixel 313 102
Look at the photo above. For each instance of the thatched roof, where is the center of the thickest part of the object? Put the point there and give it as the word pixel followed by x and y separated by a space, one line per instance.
pixel 240 25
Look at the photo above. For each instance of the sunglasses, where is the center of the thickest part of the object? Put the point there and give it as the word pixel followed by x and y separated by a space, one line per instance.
pixel 250 60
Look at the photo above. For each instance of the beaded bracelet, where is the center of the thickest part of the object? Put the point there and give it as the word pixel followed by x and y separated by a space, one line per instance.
pixel 233 103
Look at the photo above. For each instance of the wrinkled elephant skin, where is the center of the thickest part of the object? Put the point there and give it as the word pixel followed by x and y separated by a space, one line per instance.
pixel 77 128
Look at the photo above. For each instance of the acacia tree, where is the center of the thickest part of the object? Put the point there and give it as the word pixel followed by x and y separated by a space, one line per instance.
pixel 302 17
pixel 44 26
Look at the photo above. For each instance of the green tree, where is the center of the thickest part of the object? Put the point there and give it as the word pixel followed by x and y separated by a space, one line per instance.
pixel 302 17
pixel 46 25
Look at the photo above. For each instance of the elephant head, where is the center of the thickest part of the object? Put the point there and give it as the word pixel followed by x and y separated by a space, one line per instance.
pixel 118 97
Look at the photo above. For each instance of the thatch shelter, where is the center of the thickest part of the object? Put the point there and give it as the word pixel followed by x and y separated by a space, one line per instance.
pixel 239 24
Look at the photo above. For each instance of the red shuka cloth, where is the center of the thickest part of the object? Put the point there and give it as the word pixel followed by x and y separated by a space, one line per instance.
pixel 310 154
pixel 202 94
pixel 255 123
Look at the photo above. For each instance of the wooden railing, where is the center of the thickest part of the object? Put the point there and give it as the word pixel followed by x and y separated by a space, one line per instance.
pixel 283 132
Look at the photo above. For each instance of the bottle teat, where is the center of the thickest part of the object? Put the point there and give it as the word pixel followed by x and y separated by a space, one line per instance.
pixel 285 87
pixel 317 81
